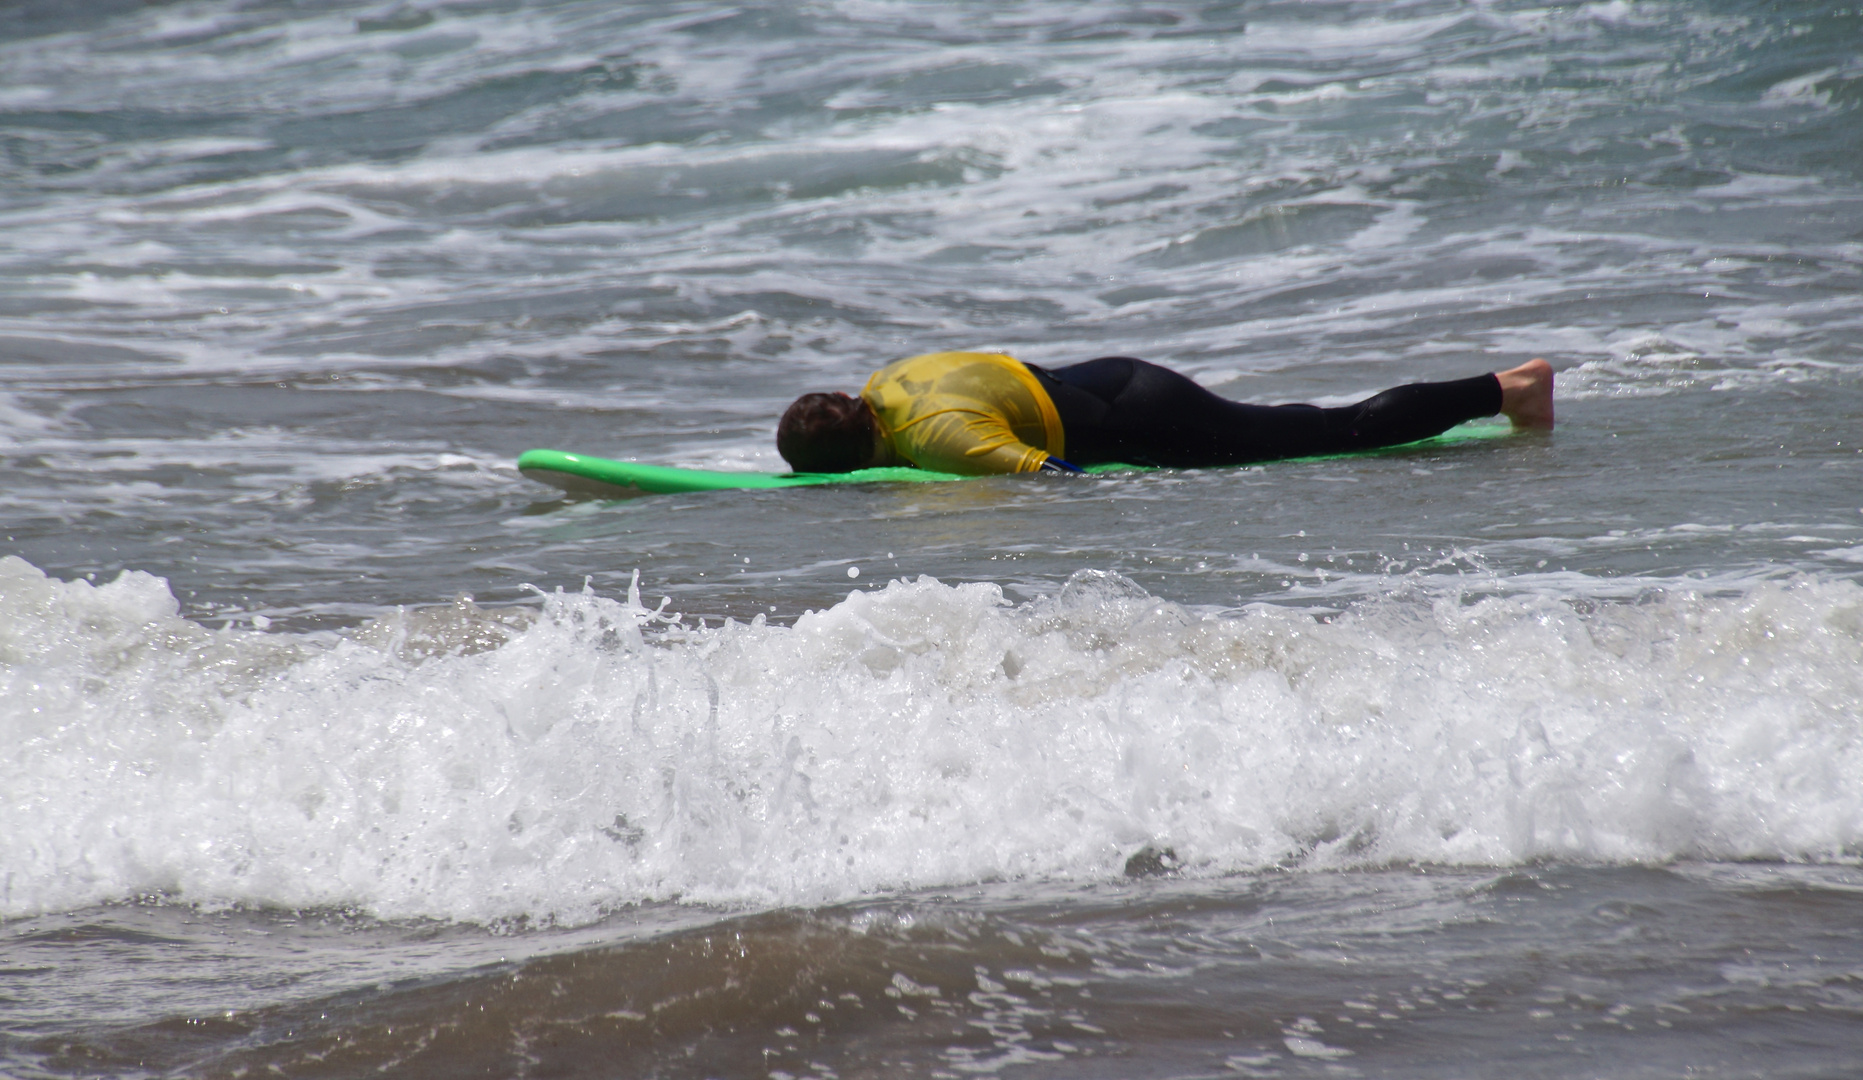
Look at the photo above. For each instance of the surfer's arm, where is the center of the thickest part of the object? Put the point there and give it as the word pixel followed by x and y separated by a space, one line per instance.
pixel 966 443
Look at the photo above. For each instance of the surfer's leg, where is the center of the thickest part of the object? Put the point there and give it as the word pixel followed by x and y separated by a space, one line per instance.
pixel 1121 409
pixel 1420 410
pixel 1407 413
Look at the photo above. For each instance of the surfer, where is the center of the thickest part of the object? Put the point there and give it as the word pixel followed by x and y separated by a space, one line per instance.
pixel 983 413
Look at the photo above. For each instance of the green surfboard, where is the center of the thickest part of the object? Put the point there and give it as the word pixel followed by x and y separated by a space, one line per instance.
pixel 584 474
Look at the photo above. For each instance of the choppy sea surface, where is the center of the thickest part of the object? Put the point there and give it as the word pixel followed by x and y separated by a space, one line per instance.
pixel 334 747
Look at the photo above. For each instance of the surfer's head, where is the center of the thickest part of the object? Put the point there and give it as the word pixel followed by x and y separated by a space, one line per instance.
pixel 826 433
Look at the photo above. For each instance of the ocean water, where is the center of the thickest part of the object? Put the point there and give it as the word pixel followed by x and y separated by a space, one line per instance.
pixel 337 748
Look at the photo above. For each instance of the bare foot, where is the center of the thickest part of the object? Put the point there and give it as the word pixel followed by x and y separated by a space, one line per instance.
pixel 1527 395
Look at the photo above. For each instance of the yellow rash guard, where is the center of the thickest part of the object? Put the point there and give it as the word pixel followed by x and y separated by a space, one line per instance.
pixel 964 412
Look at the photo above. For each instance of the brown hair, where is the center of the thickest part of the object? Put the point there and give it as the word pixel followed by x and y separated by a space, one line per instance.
pixel 826 433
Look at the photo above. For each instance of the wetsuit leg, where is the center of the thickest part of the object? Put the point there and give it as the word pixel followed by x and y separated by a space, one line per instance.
pixel 1118 409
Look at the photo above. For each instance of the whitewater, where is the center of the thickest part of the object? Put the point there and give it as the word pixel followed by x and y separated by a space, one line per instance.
pixel 601 754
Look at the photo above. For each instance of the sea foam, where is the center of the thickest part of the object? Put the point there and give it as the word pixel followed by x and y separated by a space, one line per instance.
pixel 593 754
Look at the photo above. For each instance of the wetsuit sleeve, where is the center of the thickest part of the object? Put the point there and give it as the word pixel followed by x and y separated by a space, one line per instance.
pixel 967 443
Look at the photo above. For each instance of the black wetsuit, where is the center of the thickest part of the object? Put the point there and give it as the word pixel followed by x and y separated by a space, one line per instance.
pixel 1117 409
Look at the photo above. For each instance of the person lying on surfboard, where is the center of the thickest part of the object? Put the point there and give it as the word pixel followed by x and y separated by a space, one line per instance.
pixel 981 413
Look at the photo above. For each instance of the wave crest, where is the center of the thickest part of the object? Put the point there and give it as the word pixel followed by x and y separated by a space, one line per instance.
pixel 916 735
